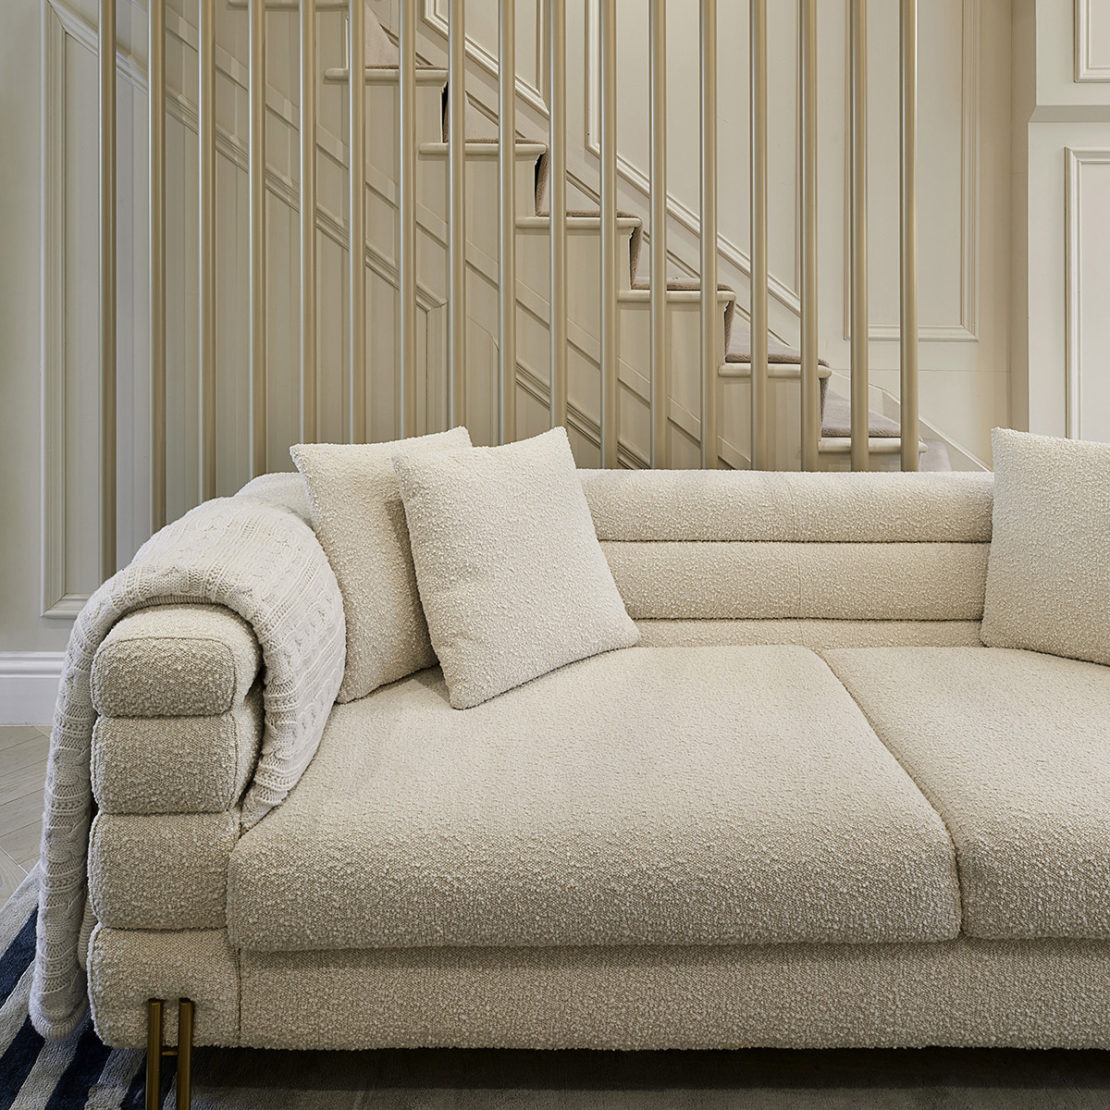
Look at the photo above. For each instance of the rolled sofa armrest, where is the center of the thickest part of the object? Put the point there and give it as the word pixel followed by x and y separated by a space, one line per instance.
pixel 178 695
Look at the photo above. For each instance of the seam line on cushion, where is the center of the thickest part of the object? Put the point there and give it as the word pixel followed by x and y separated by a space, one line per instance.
pixel 920 789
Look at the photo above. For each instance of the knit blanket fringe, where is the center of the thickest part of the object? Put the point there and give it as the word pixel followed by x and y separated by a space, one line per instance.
pixel 260 560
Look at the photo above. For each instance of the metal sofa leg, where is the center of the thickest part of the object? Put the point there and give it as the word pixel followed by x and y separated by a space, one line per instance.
pixel 155 1050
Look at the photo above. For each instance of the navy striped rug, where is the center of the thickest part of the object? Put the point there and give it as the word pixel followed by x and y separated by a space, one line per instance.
pixel 80 1071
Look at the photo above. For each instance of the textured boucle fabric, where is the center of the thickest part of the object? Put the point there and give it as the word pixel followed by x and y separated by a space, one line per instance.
pixel 176 764
pixel 511 576
pixel 661 795
pixel 794 508
pixel 264 563
pixel 126 968
pixel 175 661
pixel 1048 582
pixel 841 581
pixel 358 516
pixel 161 872
pixel 1011 748
pixel 817 635
pixel 1036 994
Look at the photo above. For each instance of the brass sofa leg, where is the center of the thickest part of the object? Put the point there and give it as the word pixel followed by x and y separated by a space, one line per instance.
pixel 184 1053
pixel 155 1050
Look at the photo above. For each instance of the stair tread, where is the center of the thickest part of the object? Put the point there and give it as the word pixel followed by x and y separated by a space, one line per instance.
pixel 386 74
pixel 837 422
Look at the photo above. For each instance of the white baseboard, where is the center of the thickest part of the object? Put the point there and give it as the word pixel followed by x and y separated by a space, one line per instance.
pixel 29 686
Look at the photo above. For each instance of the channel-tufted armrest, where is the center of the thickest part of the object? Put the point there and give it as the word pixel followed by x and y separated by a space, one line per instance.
pixel 175 661
pixel 178 693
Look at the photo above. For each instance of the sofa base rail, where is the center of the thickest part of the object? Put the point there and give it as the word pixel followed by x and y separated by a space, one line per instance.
pixel 156 1049
pixel 966 992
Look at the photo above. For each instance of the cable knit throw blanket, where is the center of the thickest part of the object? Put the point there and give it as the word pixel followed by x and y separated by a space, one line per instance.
pixel 262 561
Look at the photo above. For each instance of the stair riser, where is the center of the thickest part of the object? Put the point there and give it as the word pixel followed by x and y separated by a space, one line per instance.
pixel 583 266
pixel 481 187
pixel 382 115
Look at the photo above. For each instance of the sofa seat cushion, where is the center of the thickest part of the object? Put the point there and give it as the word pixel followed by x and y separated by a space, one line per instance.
pixel 1013 749
pixel 648 796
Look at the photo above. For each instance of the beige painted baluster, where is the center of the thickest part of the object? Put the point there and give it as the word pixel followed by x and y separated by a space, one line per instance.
pixel 807 232
pixel 911 458
pixel 557 191
pixel 860 449
pixel 610 357
pixel 456 222
pixel 206 245
pixel 107 62
pixel 760 459
pixel 156 135
pixel 407 190
pixel 256 174
pixel 506 165
pixel 356 222
pixel 309 418
pixel 660 377
pixel 710 317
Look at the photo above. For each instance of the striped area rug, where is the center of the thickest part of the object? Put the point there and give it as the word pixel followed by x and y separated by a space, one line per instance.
pixel 72 1074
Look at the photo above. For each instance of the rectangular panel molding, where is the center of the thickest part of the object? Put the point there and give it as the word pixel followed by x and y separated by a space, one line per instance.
pixel 1087 291
pixel 1092 41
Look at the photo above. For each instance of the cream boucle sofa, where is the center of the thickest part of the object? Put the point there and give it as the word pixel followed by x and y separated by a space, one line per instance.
pixel 810 810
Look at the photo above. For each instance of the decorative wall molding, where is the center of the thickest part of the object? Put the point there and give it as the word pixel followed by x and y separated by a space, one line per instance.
pixel 1074 161
pixel 64 28
pixel 57 603
pixel 966 328
pixel 1086 68
pixel 29 686
pixel 433 14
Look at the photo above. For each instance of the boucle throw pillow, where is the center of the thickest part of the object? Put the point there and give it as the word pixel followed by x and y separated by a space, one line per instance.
pixel 512 578
pixel 360 522
pixel 1048 573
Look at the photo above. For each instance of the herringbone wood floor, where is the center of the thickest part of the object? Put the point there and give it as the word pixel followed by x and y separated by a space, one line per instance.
pixel 22 775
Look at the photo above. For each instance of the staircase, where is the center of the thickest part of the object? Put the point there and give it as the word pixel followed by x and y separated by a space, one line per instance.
pixel 584 328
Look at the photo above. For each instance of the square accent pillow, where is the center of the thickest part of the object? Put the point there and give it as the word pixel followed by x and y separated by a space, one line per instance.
pixel 359 519
pixel 512 578
pixel 1048 572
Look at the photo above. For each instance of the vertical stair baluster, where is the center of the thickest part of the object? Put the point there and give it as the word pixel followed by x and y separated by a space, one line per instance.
pixel 660 385
pixel 309 422
pixel 356 223
pixel 610 358
pixel 557 191
pixel 758 164
pixel 256 173
pixel 911 459
pixel 407 190
pixel 860 448
pixel 506 165
pixel 156 135
pixel 456 217
pixel 206 246
pixel 106 44
pixel 807 225
pixel 710 318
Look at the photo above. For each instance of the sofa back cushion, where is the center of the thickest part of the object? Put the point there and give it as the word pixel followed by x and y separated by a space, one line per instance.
pixel 360 522
pixel 729 546
pixel 1048 579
